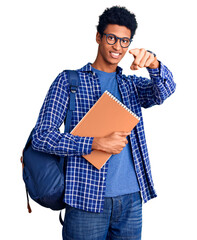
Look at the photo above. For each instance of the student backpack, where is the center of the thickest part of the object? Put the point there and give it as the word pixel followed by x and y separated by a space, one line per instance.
pixel 44 173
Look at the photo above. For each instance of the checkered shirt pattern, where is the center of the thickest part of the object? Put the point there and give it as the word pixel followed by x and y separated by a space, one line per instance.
pixel 84 184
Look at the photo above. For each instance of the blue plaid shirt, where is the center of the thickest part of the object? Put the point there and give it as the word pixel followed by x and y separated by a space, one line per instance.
pixel 84 184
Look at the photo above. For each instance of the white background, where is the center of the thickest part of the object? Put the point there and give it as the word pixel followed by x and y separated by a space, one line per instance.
pixel 39 39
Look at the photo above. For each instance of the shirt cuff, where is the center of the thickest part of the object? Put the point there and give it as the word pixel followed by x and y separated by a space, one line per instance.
pixel 157 73
pixel 84 145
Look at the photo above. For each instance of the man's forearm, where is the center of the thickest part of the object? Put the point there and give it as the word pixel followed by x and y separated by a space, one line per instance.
pixel 61 144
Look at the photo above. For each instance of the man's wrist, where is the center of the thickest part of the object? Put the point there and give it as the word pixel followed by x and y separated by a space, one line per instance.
pixel 155 64
pixel 96 144
pixel 83 144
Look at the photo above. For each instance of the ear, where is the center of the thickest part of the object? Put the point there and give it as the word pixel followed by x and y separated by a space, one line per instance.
pixel 98 38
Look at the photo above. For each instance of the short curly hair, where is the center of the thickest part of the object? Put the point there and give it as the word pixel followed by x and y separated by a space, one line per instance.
pixel 117 15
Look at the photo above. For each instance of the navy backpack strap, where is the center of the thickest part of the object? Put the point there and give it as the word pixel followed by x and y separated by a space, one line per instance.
pixel 73 79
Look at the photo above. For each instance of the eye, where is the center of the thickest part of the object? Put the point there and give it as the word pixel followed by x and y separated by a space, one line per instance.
pixel 125 40
pixel 111 38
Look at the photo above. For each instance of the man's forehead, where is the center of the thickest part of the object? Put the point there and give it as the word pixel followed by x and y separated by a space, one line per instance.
pixel 118 30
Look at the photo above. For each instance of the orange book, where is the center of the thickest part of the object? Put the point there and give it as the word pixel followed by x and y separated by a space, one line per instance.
pixel 108 115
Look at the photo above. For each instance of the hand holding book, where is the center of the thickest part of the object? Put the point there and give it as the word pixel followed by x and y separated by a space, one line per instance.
pixel 112 143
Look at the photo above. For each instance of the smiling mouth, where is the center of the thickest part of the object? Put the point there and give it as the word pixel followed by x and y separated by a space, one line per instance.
pixel 115 55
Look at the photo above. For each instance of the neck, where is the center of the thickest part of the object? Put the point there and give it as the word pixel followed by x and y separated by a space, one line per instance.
pixel 104 66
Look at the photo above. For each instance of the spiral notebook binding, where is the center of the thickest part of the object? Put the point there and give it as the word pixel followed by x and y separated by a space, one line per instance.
pixel 125 107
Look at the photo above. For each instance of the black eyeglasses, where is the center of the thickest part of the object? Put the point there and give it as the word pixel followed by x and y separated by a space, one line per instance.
pixel 112 39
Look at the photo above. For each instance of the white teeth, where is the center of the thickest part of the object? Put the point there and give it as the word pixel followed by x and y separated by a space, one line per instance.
pixel 116 54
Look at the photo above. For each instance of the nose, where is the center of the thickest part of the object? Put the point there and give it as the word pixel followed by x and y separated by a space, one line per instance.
pixel 117 45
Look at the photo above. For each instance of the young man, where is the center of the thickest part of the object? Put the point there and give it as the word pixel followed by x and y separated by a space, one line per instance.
pixel 106 203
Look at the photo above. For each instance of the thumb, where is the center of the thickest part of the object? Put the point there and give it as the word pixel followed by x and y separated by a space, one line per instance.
pixel 134 52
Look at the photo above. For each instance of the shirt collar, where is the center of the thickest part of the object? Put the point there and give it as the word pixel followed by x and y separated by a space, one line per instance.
pixel 88 68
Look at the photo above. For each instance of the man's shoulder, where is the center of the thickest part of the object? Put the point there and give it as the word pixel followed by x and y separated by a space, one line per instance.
pixel 127 78
pixel 60 82
pixel 85 69
pixel 62 79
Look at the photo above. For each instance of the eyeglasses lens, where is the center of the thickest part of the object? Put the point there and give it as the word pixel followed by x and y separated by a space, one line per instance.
pixel 112 39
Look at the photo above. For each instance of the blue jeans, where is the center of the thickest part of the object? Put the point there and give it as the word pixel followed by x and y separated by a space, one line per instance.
pixel 120 219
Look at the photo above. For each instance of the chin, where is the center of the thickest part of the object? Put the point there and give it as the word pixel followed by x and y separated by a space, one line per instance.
pixel 114 61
